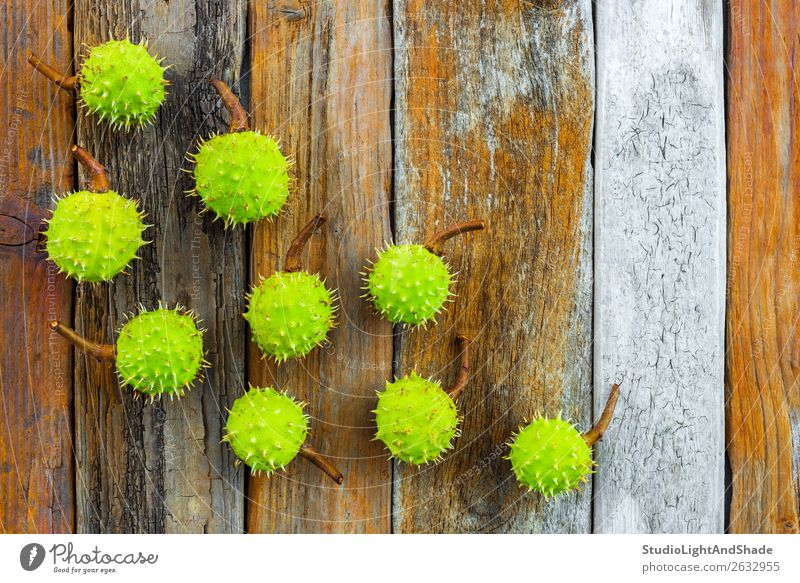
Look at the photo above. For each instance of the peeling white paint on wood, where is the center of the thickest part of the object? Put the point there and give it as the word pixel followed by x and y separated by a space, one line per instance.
pixel 660 265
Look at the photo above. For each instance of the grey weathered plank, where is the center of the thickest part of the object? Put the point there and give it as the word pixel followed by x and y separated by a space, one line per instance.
pixel 494 111
pixel 660 265
pixel 321 81
pixel 36 123
pixel 161 467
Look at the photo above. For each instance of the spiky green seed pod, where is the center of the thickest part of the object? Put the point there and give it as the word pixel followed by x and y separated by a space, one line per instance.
pixel 160 352
pixel 265 429
pixel 289 314
pixel 242 177
pixel 122 83
pixel 408 284
pixel 416 419
pixel 93 236
pixel 550 456
pixel 411 283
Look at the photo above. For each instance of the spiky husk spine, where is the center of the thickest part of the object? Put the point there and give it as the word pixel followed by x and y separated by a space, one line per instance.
pixel 266 429
pixel 290 313
pixel 242 177
pixel 122 83
pixel 416 419
pixel 160 352
pixel 93 236
pixel 550 456
pixel 409 284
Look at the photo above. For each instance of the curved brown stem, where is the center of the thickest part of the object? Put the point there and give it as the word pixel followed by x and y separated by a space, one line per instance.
pixel 239 121
pixel 293 262
pixel 458 386
pixel 98 177
pixel 596 432
pixel 61 80
pixel 321 462
pixel 102 352
pixel 434 244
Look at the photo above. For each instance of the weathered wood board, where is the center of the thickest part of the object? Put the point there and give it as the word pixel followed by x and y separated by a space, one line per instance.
pixel 660 265
pixel 161 467
pixel 494 110
pixel 763 356
pixel 36 463
pixel 321 81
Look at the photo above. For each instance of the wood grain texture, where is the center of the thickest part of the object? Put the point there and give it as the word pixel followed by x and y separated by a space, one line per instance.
pixel 161 467
pixel 36 467
pixel 763 365
pixel 494 111
pixel 321 81
pixel 660 265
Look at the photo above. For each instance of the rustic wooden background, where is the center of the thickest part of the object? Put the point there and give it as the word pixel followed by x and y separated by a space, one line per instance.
pixel 638 164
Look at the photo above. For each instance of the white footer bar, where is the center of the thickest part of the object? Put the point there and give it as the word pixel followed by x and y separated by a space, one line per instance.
pixel 408 558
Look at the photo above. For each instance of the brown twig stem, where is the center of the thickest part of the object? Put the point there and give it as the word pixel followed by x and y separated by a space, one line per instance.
pixel 102 352
pixel 434 244
pixel 321 462
pixel 596 432
pixel 462 377
pixel 239 121
pixel 68 83
pixel 293 262
pixel 98 177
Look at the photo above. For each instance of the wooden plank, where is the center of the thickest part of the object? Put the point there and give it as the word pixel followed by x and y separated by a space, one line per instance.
pixel 660 265
pixel 36 466
pixel 321 81
pixel 494 107
pixel 763 366
pixel 161 467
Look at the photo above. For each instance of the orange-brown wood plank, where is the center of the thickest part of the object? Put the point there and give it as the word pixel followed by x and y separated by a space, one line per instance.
pixel 36 123
pixel 321 81
pixel 494 108
pixel 161 467
pixel 763 322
